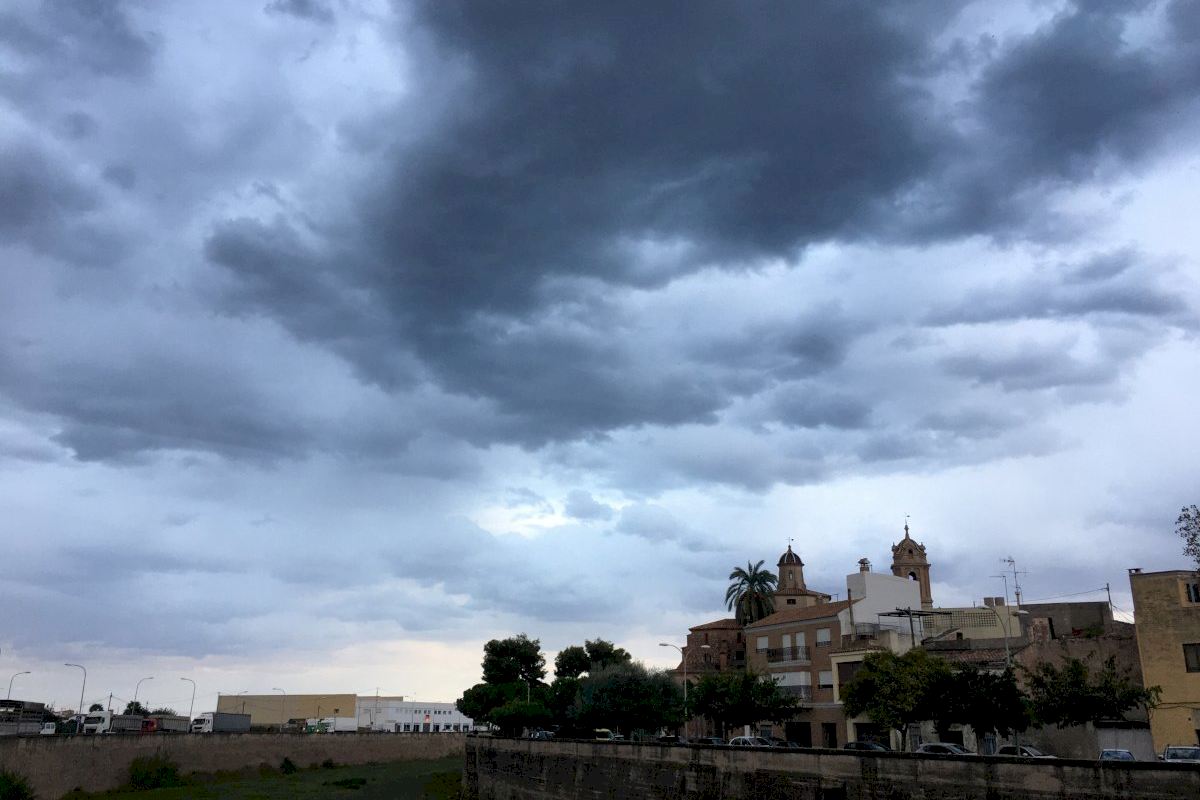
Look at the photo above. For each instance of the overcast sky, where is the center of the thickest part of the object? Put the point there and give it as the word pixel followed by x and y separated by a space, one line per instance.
pixel 337 338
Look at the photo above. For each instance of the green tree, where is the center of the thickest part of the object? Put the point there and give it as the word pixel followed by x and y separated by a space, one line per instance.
pixel 603 654
pixel 751 593
pixel 517 658
pixel 135 707
pixel 627 697
pixel 517 716
pixel 1074 694
pixel 164 710
pixel 482 699
pixel 735 698
pixel 95 707
pixel 897 691
pixel 1188 528
pixel 571 662
pixel 562 699
pixel 986 701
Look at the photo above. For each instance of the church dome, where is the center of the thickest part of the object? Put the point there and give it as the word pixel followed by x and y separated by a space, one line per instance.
pixel 790 558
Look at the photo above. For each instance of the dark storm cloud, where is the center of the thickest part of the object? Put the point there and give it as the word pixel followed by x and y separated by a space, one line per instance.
pixel 96 37
pixel 312 10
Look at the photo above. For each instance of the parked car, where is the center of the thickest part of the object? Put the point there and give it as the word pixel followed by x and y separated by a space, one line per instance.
pixel 671 739
pixel 49 729
pixel 1176 754
pixel 944 749
pixel 604 735
pixel 1113 754
pixel 1025 751
pixel 715 741
pixel 542 735
pixel 872 746
pixel 748 741
pixel 774 742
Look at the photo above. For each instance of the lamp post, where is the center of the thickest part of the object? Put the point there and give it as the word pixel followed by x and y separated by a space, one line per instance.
pixel 1008 655
pixel 79 724
pixel 138 687
pixel 282 706
pixel 239 694
pixel 192 707
pixel 686 714
pixel 10 680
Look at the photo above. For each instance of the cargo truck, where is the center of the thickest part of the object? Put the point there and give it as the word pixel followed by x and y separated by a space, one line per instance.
pixel 167 723
pixel 221 722
pixel 332 725
pixel 97 722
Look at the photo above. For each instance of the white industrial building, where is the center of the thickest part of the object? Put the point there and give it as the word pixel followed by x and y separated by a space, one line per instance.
pixel 395 714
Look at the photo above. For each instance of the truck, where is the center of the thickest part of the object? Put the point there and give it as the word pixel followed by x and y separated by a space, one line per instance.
pixel 100 722
pixel 221 722
pixel 167 723
pixel 20 717
pixel 332 725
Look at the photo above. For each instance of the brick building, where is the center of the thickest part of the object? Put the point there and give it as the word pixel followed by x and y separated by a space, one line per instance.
pixel 1166 608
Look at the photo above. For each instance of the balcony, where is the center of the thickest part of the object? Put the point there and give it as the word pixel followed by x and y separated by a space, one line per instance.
pixel 777 655
pixel 802 692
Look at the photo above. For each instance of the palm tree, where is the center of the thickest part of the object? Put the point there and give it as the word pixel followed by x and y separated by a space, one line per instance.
pixel 751 594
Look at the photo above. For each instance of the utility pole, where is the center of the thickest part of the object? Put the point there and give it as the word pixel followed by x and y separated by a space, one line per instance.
pixel 1016 580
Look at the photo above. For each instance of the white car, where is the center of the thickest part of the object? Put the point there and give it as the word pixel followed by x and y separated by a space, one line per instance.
pixel 1175 754
pixel 748 741
pixel 1025 751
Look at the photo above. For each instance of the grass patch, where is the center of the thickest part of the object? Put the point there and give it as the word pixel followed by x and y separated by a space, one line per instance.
pixel 404 780
pixel 153 772
pixel 14 786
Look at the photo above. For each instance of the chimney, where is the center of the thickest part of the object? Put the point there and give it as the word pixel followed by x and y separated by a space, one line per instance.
pixel 998 602
pixel 1135 570
pixel 989 602
pixel 864 565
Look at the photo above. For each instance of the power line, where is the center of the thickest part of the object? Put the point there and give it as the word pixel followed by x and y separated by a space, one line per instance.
pixel 1060 596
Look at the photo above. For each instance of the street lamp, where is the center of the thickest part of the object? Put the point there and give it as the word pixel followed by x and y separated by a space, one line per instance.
pixel 138 687
pixel 1008 654
pixel 239 694
pixel 10 680
pixel 282 707
pixel 683 658
pixel 79 725
pixel 192 707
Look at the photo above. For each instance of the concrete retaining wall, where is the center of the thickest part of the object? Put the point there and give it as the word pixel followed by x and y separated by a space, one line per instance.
pixel 514 769
pixel 57 764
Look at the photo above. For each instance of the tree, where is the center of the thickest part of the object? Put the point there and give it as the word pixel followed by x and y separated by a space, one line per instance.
pixel 95 707
pixel 135 707
pixel 1188 528
pixel 896 691
pixel 602 654
pixel 571 662
pixel 1073 694
pixel 517 658
pixel 734 698
pixel 167 711
pixel 627 697
pixel 750 595
pixel 986 701
pixel 518 715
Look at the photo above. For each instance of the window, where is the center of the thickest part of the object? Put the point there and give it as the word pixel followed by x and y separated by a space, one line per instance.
pixel 822 637
pixel 786 641
pixel 791 601
pixel 1191 657
pixel 825 679
pixel 1192 591
pixel 762 643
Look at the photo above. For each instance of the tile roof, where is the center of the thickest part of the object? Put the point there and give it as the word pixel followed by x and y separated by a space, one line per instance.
pixel 717 624
pixel 803 614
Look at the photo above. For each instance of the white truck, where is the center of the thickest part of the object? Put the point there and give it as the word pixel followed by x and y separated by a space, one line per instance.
pixel 98 722
pixel 221 722
pixel 332 725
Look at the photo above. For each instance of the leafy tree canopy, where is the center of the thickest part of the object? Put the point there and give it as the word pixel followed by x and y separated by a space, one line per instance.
pixel 95 707
pixel 135 707
pixel 751 593
pixel 517 716
pixel 1188 528
pixel 986 701
pixel 164 710
pixel 1074 694
pixel 627 697
pixel 517 658
pixel 896 691
pixel 736 698
pixel 482 699
pixel 602 654
pixel 571 662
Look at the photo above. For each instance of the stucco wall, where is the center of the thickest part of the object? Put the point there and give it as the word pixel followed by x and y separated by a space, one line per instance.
pixel 1165 622
pixel 57 764
pixel 514 769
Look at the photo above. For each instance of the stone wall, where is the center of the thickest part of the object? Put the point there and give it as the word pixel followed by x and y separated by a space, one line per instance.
pixel 57 764
pixel 516 769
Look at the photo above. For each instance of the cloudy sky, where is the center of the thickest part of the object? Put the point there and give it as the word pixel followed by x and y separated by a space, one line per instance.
pixel 338 337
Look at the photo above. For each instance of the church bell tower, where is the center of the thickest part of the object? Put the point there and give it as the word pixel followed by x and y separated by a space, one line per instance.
pixel 909 561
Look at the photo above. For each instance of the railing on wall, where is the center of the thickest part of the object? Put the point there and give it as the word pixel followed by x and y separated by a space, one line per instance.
pixel 778 654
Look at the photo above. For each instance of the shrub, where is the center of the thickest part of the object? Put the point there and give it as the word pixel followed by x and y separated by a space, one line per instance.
pixel 328 764
pixel 287 767
pixel 14 786
pixel 153 772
